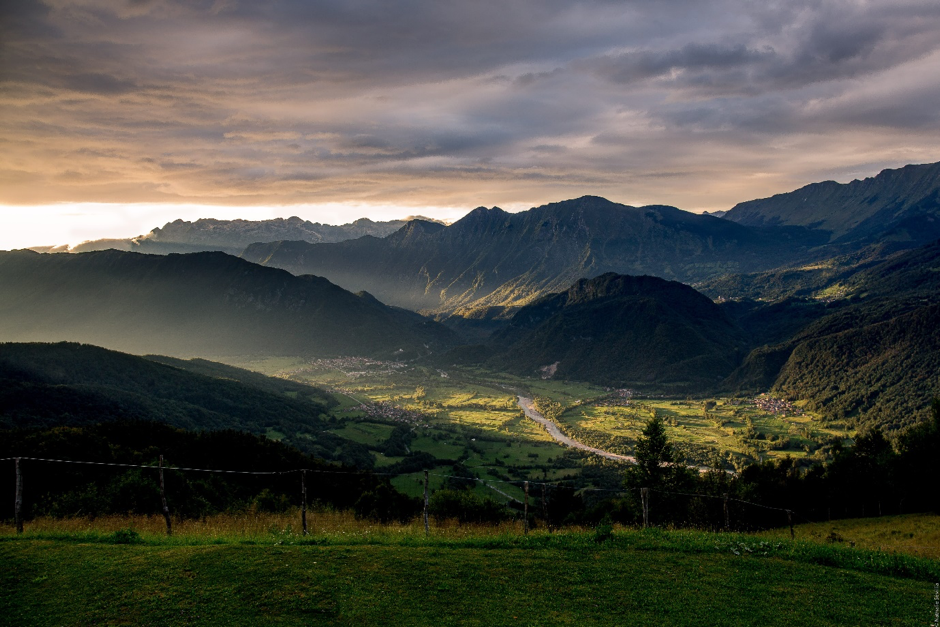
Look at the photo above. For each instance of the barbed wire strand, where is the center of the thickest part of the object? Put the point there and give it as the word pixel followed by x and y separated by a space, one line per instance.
pixel 485 482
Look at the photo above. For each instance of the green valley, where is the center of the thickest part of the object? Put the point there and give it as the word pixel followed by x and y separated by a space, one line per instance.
pixel 472 416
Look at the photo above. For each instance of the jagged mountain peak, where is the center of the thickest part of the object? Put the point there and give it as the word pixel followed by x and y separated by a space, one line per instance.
pixel 415 229
pixel 481 214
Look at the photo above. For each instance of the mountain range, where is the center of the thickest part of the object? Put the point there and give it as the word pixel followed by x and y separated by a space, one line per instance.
pixel 232 236
pixel 488 264
pixel 827 294
pixel 491 262
pixel 896 205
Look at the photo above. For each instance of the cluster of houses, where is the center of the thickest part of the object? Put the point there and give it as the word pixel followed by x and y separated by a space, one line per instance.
pixel 615 398
pixel 777 406
pixel 355 367
pixel 383 410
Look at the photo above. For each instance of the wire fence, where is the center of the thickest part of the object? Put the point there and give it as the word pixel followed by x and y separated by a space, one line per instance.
pixel 525 485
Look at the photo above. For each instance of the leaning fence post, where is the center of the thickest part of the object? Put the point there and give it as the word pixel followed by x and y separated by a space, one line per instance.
pixel 790 520
pixel 525 520
pixel 18 503
pixel 727 514
pixel 427 529
pixel 166 510
pixel 303 507
pixel 645 498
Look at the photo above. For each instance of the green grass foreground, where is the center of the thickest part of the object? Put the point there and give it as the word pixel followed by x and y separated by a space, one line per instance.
pixel 633 578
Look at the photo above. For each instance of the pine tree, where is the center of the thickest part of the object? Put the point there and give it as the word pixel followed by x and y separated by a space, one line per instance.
pixel 654 457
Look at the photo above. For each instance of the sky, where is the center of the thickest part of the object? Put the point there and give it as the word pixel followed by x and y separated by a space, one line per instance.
pixel 119 116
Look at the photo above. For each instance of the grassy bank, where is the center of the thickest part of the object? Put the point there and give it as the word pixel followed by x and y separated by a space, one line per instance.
pixel 398 577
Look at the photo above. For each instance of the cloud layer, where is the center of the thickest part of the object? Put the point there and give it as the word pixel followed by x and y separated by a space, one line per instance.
pixel 699 104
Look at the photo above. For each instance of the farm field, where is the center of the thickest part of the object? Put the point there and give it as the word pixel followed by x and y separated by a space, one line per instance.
pixel 912 534
pixel 471 413
pixel 729 427
pixel 634 577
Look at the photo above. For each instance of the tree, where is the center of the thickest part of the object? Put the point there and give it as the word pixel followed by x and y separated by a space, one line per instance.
pixel 656 468
pixel 654 457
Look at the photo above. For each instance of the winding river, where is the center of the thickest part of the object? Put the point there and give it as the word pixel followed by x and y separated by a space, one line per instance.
pixel 529 408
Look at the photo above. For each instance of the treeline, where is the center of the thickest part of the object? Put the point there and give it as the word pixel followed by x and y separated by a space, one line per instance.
pixel 872 478
pixel 64 490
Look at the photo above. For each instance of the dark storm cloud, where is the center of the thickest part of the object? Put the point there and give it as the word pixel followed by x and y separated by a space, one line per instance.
pixel 455 102
pixel 637 66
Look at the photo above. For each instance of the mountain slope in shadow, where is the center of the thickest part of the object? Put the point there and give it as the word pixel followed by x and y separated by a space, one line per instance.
pixel 202 304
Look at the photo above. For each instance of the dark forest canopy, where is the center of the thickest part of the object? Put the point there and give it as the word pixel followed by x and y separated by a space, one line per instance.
pixel 75 385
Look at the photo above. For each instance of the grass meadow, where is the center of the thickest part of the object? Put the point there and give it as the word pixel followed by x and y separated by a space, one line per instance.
pixel 257 569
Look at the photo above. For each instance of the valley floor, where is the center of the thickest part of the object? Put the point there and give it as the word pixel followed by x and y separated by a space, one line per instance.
pixel 473 415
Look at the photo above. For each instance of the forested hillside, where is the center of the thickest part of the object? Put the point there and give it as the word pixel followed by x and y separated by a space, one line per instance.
pixel 74 385
pixel 871 351
pixel 621 330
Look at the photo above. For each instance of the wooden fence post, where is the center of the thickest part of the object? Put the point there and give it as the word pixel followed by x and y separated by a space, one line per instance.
pixel 427 528
pixel 790 520
pixel 303 507
pixel 18 502
pixel 548 523
pixel 645 498
pixel 525 520
pixel 166 510
pixel 727 514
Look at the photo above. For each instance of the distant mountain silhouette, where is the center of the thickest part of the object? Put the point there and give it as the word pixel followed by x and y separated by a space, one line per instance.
pixel 232 236
pixel 201 304
pixel 491 260
pixel 896 205
pixel 617 329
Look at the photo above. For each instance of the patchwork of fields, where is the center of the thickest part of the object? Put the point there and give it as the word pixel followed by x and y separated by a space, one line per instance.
pixel 469 420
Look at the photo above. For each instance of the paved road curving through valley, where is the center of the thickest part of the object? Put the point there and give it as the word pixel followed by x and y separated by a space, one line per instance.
pixel 528 407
